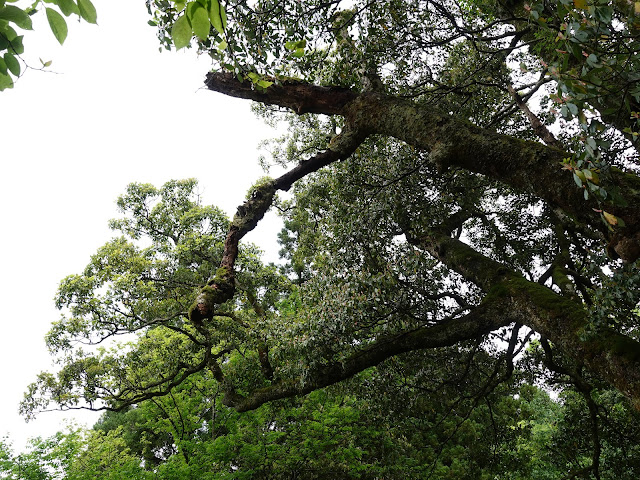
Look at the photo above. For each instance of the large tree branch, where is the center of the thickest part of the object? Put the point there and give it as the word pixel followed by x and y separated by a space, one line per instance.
pixel 221 287
pixel 296 95
pixel 610 355
pixel 529 167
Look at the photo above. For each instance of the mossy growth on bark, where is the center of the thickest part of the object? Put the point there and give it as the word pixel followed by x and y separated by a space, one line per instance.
pixel 219 289
pixel 259 199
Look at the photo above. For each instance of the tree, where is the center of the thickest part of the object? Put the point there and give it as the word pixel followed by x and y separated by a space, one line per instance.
pixel 432 206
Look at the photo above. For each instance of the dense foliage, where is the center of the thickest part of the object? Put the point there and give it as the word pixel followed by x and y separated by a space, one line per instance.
pixel 447 258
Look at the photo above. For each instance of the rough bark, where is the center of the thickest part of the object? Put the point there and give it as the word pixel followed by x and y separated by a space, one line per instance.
pixel 538 127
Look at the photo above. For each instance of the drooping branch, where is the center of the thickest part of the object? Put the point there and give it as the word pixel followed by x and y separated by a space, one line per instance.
pixel 483 319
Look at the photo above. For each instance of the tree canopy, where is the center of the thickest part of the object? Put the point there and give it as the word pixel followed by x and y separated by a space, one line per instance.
pixel 463 224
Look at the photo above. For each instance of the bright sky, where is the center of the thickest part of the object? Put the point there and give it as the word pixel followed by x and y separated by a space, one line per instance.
pixel 116 111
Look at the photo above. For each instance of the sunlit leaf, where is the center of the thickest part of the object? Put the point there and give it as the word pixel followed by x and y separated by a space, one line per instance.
pixel 181 32
pixel 5 82
pixel 58 25
pixel 610 218
pixel 88 11
pixel 217 16
pixel 200 22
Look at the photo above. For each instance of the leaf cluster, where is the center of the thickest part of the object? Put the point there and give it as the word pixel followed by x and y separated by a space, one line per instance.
pixel 12 16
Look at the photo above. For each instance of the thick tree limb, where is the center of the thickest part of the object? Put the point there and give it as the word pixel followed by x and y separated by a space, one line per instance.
pixel 527 166
pixel 221 287
pixel 298 96
pixel 610 355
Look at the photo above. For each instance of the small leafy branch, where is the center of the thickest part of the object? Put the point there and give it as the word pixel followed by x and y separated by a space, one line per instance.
pixel 12 17
pixel 580 36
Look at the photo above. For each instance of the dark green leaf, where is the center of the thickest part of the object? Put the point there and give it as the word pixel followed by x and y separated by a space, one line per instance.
pixel 17 16
pixel 12 63
pixel 16 45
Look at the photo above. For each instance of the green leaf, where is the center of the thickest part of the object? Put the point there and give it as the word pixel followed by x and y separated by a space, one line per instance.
pixel 5 82
pixel 582 117
pixel 3 67
pixel 7 33
pixel 16 45
pixel 58 25
pixel 295 44
pixel 88 11
pixel 578 180
pixel 17 16
pixel 181 32
pixel 12 64
pixel 67 7
pixel 588 174
pixel 217 16
pixel 223 16
pixel 200 22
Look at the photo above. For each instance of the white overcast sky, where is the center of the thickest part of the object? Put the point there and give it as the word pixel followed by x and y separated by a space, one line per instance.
pixel 115 111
